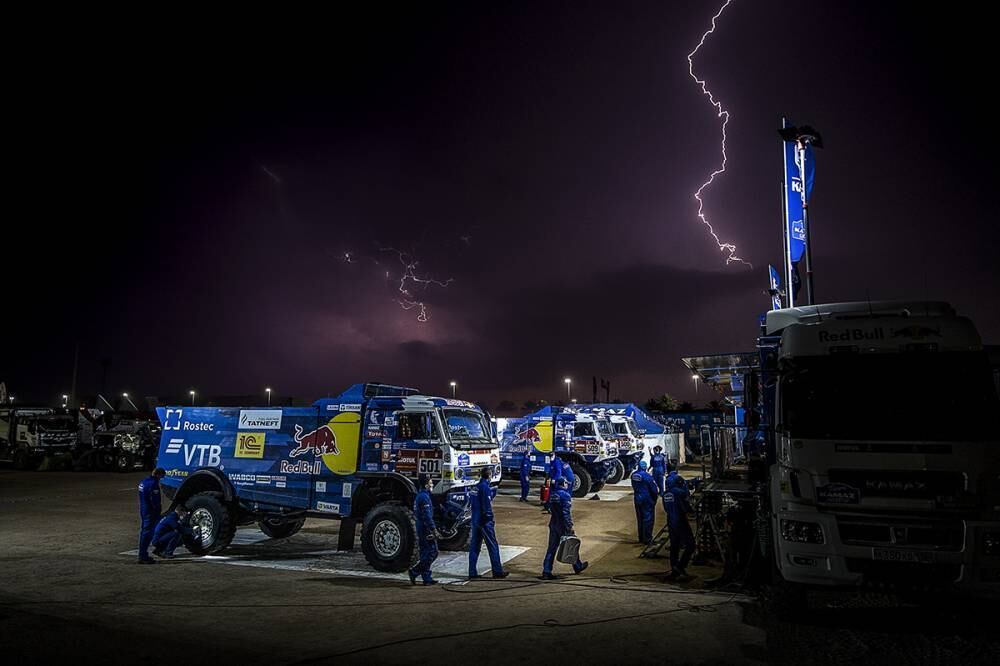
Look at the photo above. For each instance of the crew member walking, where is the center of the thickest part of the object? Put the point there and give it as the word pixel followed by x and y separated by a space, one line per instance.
pixel 560 525
pixel 483 530
pixel 525 476
pixel 423 511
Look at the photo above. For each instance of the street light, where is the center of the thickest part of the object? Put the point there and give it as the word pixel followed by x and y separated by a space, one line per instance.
pixel 569 384
pixel 454 385
pixel 192 397
pixel 65 400
pixel 268 391
pixel 695 378
pixel 125 395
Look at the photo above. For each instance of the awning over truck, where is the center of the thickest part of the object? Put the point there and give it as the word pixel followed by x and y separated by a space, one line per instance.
pixel 724 372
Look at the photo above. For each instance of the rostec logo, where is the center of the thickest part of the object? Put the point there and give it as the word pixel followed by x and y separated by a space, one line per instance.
pixel 262 419
pixel 181 424
pixel 321 441
pixel 174 446
pixel 250 444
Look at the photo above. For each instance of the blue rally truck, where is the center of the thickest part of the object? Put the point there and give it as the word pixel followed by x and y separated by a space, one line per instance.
pixel 585 441
pixel 354 458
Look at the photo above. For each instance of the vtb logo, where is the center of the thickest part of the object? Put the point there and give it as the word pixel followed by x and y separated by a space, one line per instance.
pixel 209 455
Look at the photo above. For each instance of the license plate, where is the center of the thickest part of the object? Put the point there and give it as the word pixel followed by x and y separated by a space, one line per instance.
pixel 891 555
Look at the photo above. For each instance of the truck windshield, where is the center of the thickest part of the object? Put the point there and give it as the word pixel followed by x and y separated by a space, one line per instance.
pixel 904 397
pixel 584 429
pixel 604 428
pixel 620 428
pixel 467 428
pixel 61 423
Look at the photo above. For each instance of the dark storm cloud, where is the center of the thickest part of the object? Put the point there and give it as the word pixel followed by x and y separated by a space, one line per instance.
pixel 188 220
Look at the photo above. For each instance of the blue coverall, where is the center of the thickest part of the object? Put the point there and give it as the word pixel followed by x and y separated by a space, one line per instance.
pixel 644 494
pixel 168 533
pixel 675 503
pixel 560 525
pixel 567 473
pixel 149 514
pixel 481 499
pixel 658 468
pixel 555 473
pixel 423 511
pixel 525 476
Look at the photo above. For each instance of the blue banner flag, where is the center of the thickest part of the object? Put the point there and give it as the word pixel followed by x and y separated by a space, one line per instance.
pixel 775 287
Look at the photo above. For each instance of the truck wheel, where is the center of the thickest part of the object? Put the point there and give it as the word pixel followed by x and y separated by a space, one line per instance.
pixel 389 537
pixel 22 460
pixel 597 487
pixel 279 529
pixel 215 521
pixel 106 460
pixel 582 482
pixel 456 540
pixel 124 462
pixel 617 472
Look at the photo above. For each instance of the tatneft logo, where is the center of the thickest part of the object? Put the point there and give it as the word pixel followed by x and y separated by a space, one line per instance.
pixel 264 419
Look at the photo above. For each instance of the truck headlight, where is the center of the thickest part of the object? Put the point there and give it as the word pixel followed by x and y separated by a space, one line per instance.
pixel 459 473
pixel 801 532
pixel 991 543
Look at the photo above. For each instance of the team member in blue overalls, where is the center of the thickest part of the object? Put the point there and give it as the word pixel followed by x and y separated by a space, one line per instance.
pixel 149 512
pixel 555 473
pixel 423 511
pixel 658 468
pixel 560 525
pixel 483 531
pixel 169 532
pixel 677 506
pixel 567 473
pixel 525 476
pixel 644 494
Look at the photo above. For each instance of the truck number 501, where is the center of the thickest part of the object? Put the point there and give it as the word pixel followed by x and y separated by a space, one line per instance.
pixel 430 466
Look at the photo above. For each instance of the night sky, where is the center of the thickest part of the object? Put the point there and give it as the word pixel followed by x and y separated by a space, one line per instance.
pixel 182 192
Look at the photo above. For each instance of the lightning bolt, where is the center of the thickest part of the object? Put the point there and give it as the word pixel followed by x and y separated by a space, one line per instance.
pixel 722 113
pixel 406 298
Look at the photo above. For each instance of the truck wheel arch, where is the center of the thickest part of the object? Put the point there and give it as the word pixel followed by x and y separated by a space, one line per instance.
pixel 204 480
pixel 376 488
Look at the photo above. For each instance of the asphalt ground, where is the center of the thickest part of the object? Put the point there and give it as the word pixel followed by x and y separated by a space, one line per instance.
pixel 70 590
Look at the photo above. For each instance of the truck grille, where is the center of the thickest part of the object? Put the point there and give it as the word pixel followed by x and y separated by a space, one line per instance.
pixel 905 574
pixel 928 535
pixel 910 484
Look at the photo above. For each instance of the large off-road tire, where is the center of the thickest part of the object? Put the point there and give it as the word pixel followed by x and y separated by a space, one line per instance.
pixel 216 522
pixel 582 482
pixel 457 540
pixel 389 537
pixel 23 460
pixel 106 459
pixel 278 529
pixel 597 486
pixel 617 472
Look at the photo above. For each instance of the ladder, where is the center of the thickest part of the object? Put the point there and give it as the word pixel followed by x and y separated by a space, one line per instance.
pixel 659 542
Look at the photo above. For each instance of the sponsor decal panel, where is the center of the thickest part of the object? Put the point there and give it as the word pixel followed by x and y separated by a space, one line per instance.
pixel 263 480
pixel 345 490
pixel 371 467
pixel 838 493
pixel 327 507
pixel 260 419
pixel 350 407
pixel 243 479
pixel 250 444
pixel 321 486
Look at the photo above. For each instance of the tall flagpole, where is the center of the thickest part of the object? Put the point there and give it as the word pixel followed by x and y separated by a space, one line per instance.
pixel 789 290
pixel 800 147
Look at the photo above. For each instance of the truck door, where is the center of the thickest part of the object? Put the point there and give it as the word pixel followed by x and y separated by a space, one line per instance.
pixel 417 444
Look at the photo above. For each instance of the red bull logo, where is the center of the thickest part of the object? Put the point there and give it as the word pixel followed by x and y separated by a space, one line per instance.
pixel 528 435
pixel 321 441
